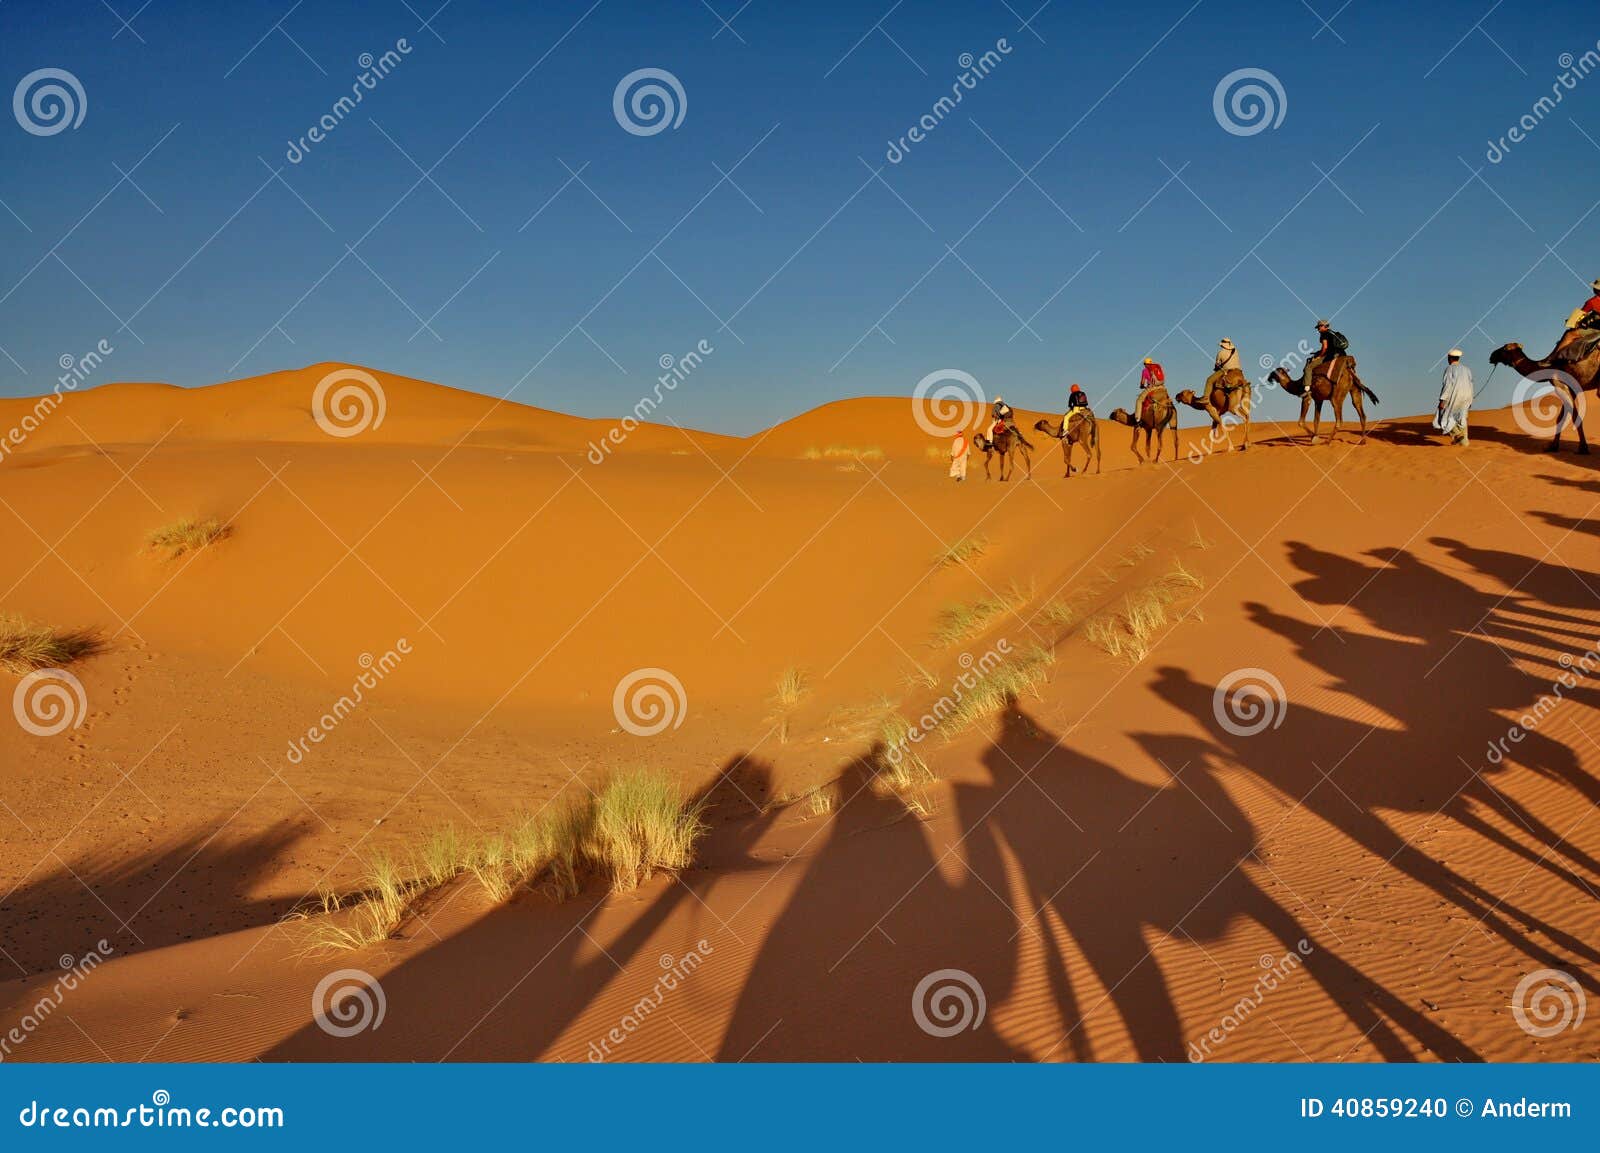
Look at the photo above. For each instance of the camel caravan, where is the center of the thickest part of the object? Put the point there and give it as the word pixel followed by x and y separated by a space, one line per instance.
pixel 1329 378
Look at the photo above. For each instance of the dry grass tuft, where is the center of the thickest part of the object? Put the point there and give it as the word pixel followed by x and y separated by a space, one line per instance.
pixel 187 535
pixel 962 551
pixel 643 825
pixel 899 770
pixel 995 688
pixel 25 646
pixel 961 621
pixel 1131 633
pixel 640 824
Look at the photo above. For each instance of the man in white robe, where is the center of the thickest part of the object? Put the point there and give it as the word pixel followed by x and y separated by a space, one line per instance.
pixel 1455 398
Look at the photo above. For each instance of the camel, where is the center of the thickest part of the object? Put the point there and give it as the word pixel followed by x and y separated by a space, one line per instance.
pixel 1233 400
pixel 1084 431
pixel 1003 443
pixel 1573 365
pixel 1345 383
pixel 1156 413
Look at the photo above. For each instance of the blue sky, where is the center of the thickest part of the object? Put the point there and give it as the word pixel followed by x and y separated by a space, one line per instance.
pixel 1143 227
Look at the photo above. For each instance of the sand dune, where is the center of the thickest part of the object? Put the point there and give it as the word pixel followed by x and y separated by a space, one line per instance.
pixel 1108 860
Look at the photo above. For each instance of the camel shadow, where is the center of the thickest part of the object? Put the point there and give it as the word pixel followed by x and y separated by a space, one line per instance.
pixel 190 889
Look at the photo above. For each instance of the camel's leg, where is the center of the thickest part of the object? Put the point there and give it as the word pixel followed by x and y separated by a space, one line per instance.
pixel 1338 415
pixel 1094 443
pixel 1361 413
pixel 1555 443
pixel 1134 444
pixel 1577 423
pixel 1305 413
pixel 1316 424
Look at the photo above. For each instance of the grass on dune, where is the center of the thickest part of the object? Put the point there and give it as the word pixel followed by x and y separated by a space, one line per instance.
pixel 1130 633
pixel 844 452
pixel 962 620
pixel 1021 674
pixel 792 685
pixel 25 646
pixel 962 551
pixel 639 824
pixel 643 825
pixel 187 535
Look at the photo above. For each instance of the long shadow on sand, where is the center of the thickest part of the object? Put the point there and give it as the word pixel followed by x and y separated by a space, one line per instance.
pixel 190 889
pixel 1058 865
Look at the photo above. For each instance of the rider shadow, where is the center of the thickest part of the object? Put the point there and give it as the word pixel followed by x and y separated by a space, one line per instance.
pixel 875 913
pixel 1443 686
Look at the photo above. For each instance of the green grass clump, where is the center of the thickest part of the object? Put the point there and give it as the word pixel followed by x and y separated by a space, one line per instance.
pixel 640 824
pixel 643 825
pixel 853 452
pixel 187 535
pixel 25 646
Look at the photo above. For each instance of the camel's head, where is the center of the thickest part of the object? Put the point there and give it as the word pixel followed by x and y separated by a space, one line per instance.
pixel 1186 396
pixel 1121 416
pixel 1504 353
pixel 1279 374
pixel 1045 427
pixel 981 442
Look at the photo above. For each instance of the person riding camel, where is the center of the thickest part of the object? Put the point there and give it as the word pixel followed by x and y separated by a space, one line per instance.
pixel 1333 346
pixel 1587 314
pixel 1077 403
pixel 1150 379
pixel 1004 417
pixel 1227 361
